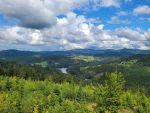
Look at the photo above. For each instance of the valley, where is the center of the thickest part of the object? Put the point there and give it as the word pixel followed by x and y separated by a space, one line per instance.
pixel 75 81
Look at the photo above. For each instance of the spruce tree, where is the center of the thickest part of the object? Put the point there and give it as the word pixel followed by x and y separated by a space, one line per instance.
pixel 114 89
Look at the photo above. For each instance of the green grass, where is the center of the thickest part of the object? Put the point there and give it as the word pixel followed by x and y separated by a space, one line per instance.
pixel 84 58
pixel 43 63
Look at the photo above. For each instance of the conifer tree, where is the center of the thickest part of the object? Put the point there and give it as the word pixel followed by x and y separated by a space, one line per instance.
pixel 114 89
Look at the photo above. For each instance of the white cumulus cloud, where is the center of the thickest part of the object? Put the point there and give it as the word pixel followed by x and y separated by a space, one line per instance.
pixel 37 13
pixel 142 10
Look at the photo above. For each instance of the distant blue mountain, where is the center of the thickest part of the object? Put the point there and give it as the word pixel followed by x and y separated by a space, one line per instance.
pixel 90 52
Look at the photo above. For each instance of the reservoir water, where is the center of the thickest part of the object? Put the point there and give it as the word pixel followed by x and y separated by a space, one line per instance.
pixel 63 70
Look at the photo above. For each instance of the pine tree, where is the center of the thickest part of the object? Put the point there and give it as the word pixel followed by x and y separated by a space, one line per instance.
pixel 114 89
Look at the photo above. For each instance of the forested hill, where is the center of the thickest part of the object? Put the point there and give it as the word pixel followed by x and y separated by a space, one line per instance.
pixel 92 52
pixel 95 83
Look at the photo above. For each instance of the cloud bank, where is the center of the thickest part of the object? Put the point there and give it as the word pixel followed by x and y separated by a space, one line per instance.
pixel 54 25
pixel 37 13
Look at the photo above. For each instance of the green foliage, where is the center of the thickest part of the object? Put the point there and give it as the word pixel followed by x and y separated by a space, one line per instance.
pixel 34 72
pixel 111 93
pixel 114 89
pixel 27 96
pixel 41 96
pixel 38 87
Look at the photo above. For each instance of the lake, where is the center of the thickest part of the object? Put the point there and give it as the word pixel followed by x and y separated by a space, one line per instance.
pixel 63 70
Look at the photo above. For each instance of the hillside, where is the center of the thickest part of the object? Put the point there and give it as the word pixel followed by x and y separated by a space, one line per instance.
pixel 136 70
pixel 33 82
pixel 19 95
pixel 27 56
pixel 88 69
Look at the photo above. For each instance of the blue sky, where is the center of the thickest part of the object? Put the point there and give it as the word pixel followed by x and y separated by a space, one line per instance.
pixel 51 25
pixel 106 13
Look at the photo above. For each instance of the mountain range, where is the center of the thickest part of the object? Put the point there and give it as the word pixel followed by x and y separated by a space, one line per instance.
pixel 89 52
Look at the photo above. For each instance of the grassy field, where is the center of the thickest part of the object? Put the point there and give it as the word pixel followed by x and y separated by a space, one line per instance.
pixel 42 64
pixel 84 58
